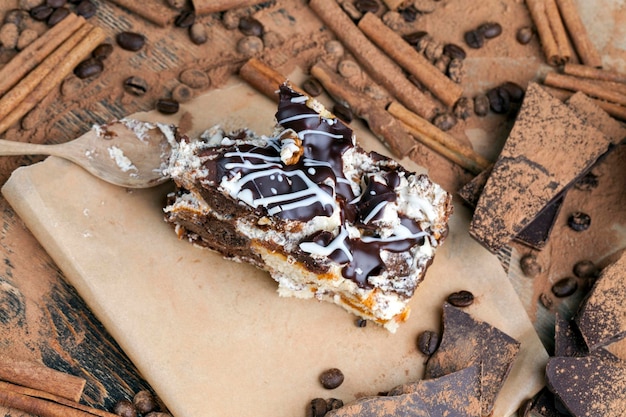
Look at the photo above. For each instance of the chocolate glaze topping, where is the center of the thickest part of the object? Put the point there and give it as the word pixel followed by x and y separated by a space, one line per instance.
pixel 316 185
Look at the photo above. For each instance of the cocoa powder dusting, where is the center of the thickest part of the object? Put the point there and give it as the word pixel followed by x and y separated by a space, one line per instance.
pixel 533 143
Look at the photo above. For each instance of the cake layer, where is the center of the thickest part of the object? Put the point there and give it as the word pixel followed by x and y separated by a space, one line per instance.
pixel 324 217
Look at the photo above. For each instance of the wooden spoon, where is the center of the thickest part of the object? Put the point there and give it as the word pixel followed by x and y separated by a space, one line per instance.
pixel 127 153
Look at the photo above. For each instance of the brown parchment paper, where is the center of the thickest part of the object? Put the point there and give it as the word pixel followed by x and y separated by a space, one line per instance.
pixel 212 336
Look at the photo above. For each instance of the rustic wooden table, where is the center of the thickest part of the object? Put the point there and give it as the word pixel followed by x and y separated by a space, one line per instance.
pixel 42 317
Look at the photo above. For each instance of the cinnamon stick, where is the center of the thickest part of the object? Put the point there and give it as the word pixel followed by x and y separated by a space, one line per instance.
pixel 614 110
pixel 585 71
pixel 378 65
pixel 264 78
pixel 153 11
pixel 558 31
pixel 42 378
pixel 39 82
pixel 382 124
pixel 397 4
pixel 408 58
pixel 27 59
pixel 590 88
pixel 212 6
pixel 5 386
pixel 38 406
pixel 586 51
pixel 546 37
pixel 439 140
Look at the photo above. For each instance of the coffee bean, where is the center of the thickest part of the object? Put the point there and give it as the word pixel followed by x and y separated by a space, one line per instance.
pixel 331 378
pixel 454 51
pixel 317 408
pixel 102 51
pixel 586 269
pixel 499 100
pixel 474 39
pixel 131 41
pixel 312 87
pixel 9 35
pixel 565 287
pixel 428 342
pixel 546 301
pixel 463 108
pixel 136 86
pixel 41 13
pixel 461 298
pixel 360 322
pixel 185 19
pixel 515 91
pixel 333 404
pixel 524 35
pixel 365 6
pixel 445 121
pixel 481 105
pixel 15 16
pixel 86 9
pixel 167 106
pixel 56 3
pixel 343 112
pixel 182 93
pixel 587 182
pixel 58 15
pixel 579 221
pixel 26 37
pixel 198 33
pixel 413 38
pixel 250 26
pixel 194 78
pixel 529 265
pixel 409 14
pixel 442 63
pixel 490 30
pixel 455 70
pixel 250 45
pixel 90 67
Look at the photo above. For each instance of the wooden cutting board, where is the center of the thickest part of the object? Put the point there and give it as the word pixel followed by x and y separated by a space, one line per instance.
pixel 212 336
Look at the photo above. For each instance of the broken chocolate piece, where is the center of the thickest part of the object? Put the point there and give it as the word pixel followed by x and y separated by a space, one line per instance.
pixel 469 342
pixel 602 316
pixel 593 385
pixel 456 394
pixel 567 339
pixel 547 149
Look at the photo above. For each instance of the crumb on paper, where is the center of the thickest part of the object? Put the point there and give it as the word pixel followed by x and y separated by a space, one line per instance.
pixel 121 160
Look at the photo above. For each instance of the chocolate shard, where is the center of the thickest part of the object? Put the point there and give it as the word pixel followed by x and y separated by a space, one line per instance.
pixel 567 338
pixel 602 315
pixel 545 404
pixel 593 385
pixel 468 342
pixel 547 149
pixel 589 112
pixel 456 394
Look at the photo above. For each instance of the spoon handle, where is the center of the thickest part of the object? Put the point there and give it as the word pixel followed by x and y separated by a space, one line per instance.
pixel 10 147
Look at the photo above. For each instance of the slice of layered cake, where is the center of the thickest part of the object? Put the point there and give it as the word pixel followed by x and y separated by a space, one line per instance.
pixel 324 217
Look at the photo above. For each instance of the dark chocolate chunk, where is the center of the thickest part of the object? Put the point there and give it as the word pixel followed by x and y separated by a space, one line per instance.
pixel 456 394
pixel 483 346
pixel 602 315
pixel 567 338
pixel 592 385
